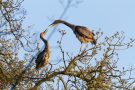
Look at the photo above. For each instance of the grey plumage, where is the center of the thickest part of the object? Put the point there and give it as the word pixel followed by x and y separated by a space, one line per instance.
pixel 43 57
pixel 83 34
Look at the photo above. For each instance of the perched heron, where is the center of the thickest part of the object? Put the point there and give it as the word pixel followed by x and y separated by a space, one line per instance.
pixel 83 34
pixel 43 57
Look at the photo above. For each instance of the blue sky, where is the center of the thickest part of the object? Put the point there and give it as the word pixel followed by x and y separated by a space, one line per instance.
pixel 109 15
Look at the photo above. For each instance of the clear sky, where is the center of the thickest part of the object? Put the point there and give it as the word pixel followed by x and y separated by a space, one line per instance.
pixel 109 15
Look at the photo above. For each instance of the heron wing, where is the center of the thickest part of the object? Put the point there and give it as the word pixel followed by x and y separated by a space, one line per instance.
pixel 84 32
pixel 39 57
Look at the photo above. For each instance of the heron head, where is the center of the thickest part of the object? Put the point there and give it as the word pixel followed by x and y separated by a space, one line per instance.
pixel 42 34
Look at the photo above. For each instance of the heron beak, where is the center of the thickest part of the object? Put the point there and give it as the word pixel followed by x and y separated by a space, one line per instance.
pixel 51 25
pixel 45 30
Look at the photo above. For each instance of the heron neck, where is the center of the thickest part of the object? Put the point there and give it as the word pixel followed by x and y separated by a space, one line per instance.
pixel 46 43
pixel 68 24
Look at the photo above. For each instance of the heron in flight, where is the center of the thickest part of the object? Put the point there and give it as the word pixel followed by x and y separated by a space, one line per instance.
pixel 43 57
pixel 83 34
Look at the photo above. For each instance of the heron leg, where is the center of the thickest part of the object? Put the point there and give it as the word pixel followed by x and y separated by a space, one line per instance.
pixel 86 46
pixel 45 69
pixel 80 48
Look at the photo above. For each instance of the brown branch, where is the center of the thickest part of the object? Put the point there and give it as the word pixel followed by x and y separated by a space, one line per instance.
pixel 64 84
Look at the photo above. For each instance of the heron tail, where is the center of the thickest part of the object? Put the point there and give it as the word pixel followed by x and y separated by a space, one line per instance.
pixel 94 42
